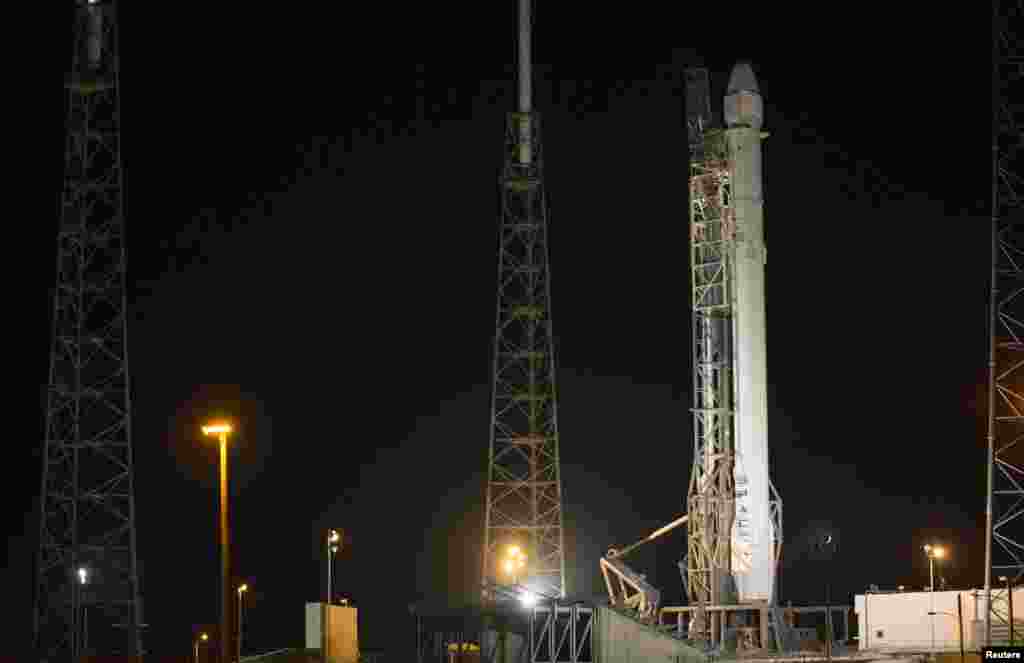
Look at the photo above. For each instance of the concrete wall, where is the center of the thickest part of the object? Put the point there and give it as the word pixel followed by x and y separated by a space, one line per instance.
pixel 342 631
pixel 620 639
pixel 900 621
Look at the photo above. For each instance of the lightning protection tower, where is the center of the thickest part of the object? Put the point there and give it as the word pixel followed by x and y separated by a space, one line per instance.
pixel 87 590
pixel 1004 545
pixel 524 493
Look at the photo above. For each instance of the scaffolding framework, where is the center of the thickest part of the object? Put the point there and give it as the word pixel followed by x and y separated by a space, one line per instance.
pixel 710 497
pixel 1005 500
pixel 87 590
pixel 562 633
pixel 524 491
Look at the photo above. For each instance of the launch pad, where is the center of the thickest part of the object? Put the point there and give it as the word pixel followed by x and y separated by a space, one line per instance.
pixel 733 513
pixel 589 632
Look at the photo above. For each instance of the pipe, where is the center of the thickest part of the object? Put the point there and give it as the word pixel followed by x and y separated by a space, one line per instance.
pixel 524 57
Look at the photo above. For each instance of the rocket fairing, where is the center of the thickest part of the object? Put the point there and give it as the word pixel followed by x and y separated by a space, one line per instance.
pixel 753 540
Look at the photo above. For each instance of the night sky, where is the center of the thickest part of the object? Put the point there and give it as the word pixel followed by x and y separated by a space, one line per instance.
pixel 312 207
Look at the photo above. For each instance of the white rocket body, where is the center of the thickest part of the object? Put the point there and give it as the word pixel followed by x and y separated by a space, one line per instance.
pixel 753 535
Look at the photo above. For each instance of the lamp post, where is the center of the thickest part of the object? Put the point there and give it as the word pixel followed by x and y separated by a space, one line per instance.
pixel 934 553
pixel 202 638
pixel 242 589
pixel 333 542
pixel 222 430
pixel 83 580
pixel 1009 599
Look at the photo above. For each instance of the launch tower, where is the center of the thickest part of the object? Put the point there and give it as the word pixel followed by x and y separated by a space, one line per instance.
pixel 87 588
pixel 735 514
pixel 524 491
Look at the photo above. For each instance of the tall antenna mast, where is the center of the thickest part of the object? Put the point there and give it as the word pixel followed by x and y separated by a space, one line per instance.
pixel 87 584
pixel 525 73
pixel 524 489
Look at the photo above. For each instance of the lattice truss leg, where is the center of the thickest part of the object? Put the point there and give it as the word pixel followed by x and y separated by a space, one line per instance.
pixel 1008 319
pixel 563 634
pixel 87 594
pixel 524 498
pixel 1001 618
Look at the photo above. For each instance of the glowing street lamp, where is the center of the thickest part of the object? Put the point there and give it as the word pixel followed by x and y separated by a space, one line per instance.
pixel 83 580
pixel 222 430
pixel 934 553
pixel 515 562
pixel 333 544
pixel 242 589
pixel 202 638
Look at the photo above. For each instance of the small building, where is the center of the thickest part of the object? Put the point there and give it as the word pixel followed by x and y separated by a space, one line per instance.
pixel 342 631
pixel 924 621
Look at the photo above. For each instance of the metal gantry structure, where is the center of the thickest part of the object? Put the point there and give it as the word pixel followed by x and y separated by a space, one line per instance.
pixel 734 512
pixel 1004 550
pixel 524 490
pixel 87 584
pixel 710 497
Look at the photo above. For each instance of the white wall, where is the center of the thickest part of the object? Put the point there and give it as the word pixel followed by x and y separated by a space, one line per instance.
pixel 314 636
pixel 900 621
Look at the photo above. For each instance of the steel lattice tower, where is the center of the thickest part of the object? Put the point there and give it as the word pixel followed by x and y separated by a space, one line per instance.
pixel 1004 549
pixel 88 510
pixel 524 493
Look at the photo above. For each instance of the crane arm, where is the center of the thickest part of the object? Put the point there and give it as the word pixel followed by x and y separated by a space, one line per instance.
pixel 614 554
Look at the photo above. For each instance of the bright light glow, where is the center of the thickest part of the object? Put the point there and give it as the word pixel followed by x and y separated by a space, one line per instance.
pixel 83 575
pixel 927 547
pixel 216 429
pixel 528 599
pixel 513 551
pixel 333 536
pixel 204 637
pixel 243 588
pixel 939 552
pixel 1003 578
pixel 509 566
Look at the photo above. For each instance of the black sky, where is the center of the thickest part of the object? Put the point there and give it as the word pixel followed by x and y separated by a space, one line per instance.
pixel 312 203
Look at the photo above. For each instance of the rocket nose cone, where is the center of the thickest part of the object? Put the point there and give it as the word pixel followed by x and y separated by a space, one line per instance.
pixel 742 79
